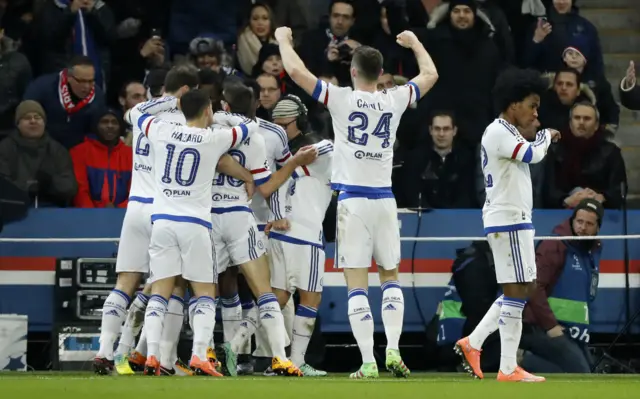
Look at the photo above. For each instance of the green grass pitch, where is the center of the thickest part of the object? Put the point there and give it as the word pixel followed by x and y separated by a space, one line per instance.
pixel 419 385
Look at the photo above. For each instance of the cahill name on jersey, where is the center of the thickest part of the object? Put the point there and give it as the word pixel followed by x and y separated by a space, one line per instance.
pixel 365 126
pixel 506 156
pixel 142 185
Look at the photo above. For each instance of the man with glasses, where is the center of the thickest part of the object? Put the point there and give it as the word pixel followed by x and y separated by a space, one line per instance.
pixel 270 94
pixel 69 98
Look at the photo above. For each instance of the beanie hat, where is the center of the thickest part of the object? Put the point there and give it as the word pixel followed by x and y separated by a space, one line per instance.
pixel 591 205
pixel 579 44
pixel 288 108
pixel 469 3
pixel 29 106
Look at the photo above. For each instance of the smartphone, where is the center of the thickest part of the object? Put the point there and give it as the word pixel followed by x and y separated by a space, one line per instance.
pixel 156 33
pixel 544 20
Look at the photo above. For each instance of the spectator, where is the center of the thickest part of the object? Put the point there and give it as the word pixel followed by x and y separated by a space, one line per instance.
pixel 574 57
pixel 468 63
pixel 69 98
pixel 131 94
pixel 503 37
pixel 270 93
pixel 35 162
pixel 297 15
pixel 565 90
pixel 583 164
pixel 397 59
pixel 259 31
pixel 206 53
pixel 415 14
pixel 629 91
pixel 155 83
pixel 15 74
pixel 553 34
pixel 269 61
pixel 556 330
pixel 331 48
pixel 102 165
pixel 436 175
pixel 68 28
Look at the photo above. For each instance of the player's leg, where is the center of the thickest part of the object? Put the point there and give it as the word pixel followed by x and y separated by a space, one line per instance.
pixel 231 307
pixel 165 265
pixel 353 254
pixel 125 359
pixel 248 326
pixel 174 320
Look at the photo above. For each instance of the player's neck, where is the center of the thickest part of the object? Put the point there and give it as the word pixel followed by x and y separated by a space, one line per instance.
pixel 200 123
pixel 508 118
pixel 167 94
pixel 370 87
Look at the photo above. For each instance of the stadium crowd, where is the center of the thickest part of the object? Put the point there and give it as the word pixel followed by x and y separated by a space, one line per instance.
pixel 69 69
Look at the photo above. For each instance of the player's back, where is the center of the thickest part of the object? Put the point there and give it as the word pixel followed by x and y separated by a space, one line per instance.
pixel 142 180
pixel 509 193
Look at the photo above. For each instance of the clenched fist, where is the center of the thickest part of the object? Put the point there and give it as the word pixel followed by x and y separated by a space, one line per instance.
pixel 283 35
pixel 407 39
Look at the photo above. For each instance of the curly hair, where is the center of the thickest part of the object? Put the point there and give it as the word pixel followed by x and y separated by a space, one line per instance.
pixel 514 85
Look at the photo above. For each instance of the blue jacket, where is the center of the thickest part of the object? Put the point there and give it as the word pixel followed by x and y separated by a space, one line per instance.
pixel 68 130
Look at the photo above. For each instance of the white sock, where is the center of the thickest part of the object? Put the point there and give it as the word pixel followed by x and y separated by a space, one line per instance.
pixel 288 314
pixel 114 312
pixel 204 321
pixel 241 342
pixel 171 331
pixel 273 323
pixel 392 312
pixel 510 325
pixel 303 325
pixel 153 322
pixel 192 308
pixel 132 324
pixel 231 316
pixel 141 347
pixel 361 322
pixel 487 325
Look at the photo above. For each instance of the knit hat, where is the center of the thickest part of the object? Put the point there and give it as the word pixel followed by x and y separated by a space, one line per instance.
pixel 591 205
pixel 28 106
pixel 288 108
pixel 469 3
pixel 579 44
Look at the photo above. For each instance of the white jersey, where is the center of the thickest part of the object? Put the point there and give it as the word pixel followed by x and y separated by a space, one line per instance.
pixel 277 148
pixel 185 160
pixel 142 185
pixel 308 197
pixel 227 192
pixel 506 156
pixel 365 126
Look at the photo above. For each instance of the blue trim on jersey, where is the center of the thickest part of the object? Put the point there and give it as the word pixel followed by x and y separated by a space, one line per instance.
pixel 274 202
pixel 141 120
pixel 507 228
pixel 275 129
pixel 314 264
pixel 291 240
pixel 416 88
pixel 325 149
pixel 220 211
pixel 182 219
pixel 370 195
pixel 252 243
pixel 261 227
pixel 349 188
pixel 245 132
pixel 143 200
pixel 528 155
pixel 262 181
pixel 317 90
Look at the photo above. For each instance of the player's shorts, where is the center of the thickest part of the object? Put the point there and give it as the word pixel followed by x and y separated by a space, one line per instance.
pixel 296 266
pixel 514 256
pixel 263 237
pixel 133 248
pixel 236 239
pixel 366 228
pixel 180 248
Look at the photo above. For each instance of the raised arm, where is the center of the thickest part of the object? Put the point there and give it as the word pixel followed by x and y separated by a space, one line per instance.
pixel 137 115
pixel 428 75
pixel 293 63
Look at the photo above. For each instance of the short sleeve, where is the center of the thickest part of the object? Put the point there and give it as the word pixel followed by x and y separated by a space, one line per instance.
pixel 321 167
pixel 405 95
pixel 258 164
pixel 329 95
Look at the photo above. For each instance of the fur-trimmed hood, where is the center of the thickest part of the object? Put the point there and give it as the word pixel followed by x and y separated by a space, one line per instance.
pixel 441 13
pixel 584 88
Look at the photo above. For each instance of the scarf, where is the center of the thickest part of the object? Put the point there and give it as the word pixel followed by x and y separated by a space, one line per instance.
pixel 335 40
pixel 576 150
pixel 83 40
pixel 249 46
pixel 64 93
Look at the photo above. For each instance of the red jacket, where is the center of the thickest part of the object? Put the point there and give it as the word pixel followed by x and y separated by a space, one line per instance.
pixel 103 174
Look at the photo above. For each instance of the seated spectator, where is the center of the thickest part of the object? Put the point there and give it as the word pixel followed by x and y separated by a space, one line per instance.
pixel 258 32
pixel 583 164
pixel 270 93
pixel 69 97
pixel 629 90
pixel 102 165
pixel 68 28
pixel 331 49
pixel 131 94
pixel 34 162
pixel 555 333
pixel 15 75
pixel 565 90
pixel 551 35
pixel 436 174
pixel 468 63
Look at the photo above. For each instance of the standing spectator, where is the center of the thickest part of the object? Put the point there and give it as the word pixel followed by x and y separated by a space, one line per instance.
pixel 397 59
pixel 503 37
pixel 566 90
pixel 468 64
pixel 583 164
pixel 102 165
pixel 629 90
pixel 258 31
pixel 15 75
pixel 65 28
pixel 437 175
pixel 331 48
pixel 34 162
pixel 270 93
pixel 69 98
pixel 297 15
pixel 551 35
